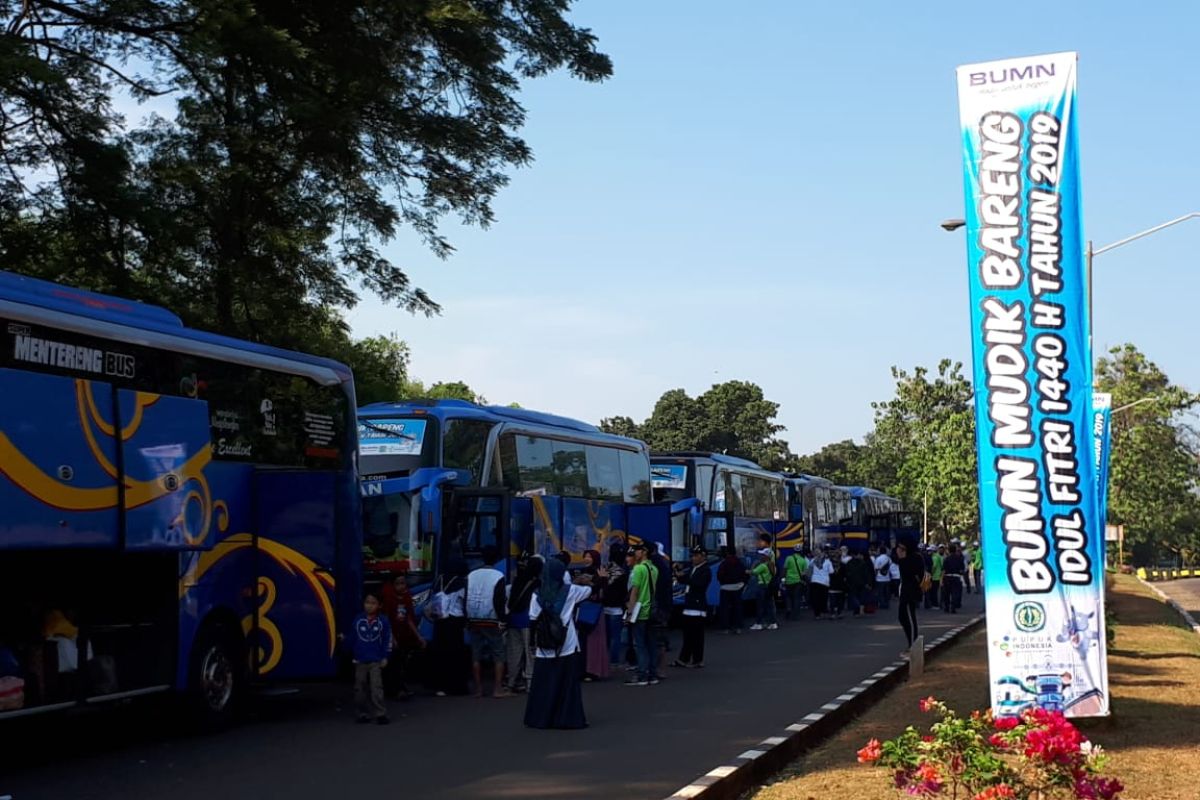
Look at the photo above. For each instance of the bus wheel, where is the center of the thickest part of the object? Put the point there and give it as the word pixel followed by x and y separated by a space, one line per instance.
pixel 216 676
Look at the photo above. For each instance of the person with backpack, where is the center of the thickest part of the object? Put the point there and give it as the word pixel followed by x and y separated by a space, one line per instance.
pixel 556 693
pixel 642 581
pixel 731 577
pixel 795 585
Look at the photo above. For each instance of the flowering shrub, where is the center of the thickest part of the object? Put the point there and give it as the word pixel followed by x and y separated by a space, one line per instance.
pixel 1037 756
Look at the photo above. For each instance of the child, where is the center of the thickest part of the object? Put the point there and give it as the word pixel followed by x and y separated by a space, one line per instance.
pixel 372 643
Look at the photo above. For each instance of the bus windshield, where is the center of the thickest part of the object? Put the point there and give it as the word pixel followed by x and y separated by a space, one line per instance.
pixel 394 446
pixel 392 539
pixel 669 482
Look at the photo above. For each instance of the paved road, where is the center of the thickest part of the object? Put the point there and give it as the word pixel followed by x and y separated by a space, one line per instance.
pixel 642 743
pixel 1186 592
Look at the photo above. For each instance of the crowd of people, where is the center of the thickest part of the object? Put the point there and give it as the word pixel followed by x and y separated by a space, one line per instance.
pixel 546 629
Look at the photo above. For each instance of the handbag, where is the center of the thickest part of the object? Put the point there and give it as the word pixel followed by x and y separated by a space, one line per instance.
pixel 926 583
pixel 587 615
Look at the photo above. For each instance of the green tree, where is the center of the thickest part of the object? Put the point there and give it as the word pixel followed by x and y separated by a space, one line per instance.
pixel 741 422
pixel 678 422
pixel 923 446
pixel 1154 473
pixel 844 463
pixel 380 365
pixel 621 426
pixel 306 135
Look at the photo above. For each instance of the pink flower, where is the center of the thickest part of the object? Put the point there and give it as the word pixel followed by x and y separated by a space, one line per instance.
pixel 1006 723
pixel 1000 792
pixel 928 704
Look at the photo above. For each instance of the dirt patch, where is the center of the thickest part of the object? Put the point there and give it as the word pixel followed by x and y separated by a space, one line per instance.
pixel 1153 735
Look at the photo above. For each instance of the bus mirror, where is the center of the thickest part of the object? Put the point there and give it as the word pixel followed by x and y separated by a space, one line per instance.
pixel 462 478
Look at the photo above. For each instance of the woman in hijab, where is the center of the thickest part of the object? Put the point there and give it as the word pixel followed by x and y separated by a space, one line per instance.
pixel 556 696
pixel 595 643
pixel 448 652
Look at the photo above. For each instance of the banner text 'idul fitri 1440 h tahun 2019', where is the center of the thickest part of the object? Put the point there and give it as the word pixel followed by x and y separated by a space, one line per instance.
pixel 1043 544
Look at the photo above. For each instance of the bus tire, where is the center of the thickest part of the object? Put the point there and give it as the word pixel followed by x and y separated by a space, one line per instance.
pixel 218 676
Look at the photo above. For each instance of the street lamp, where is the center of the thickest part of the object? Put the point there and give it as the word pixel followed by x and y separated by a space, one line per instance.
pixel 1134 403
pixel 951 225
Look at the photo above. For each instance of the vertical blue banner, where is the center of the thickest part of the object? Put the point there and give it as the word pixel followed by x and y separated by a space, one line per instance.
pixel 1102 442
pixel 1043 545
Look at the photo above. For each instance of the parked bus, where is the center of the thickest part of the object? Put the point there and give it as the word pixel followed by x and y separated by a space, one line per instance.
pixel 442 479
pixel 820 508
pixel 179 511
pixel 721 501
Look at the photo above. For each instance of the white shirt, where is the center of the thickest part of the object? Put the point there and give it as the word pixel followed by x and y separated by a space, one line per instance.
pixel 883 562
pixel 894 572
pixel 575 595
pixel 821 572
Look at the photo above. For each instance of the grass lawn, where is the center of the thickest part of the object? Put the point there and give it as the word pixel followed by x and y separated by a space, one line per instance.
pixel 1153 735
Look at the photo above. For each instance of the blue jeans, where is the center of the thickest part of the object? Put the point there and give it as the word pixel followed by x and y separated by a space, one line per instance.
pixel 647 654
pixel 614 627
pixel 883 589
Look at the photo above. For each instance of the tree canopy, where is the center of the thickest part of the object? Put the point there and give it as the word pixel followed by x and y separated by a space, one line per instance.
pixel 306 135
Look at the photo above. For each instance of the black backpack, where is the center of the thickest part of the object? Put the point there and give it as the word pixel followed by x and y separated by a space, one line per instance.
pixel 549 632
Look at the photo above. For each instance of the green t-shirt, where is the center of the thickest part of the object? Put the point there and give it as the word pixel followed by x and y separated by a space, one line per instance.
pixel 643 578
pixel 762 573
pixel 793 569
pixel 977 559
pixel 938 569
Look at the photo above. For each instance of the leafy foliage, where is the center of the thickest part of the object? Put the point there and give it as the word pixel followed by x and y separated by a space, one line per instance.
pixel 1154 472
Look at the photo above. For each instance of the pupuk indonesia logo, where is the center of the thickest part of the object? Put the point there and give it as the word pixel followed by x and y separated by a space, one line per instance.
pixel 1029 617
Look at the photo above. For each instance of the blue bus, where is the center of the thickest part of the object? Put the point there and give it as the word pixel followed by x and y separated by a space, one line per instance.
pixel 880 518
pixel 822 509
pixel 720 501
pixel 442 479
pixel 179 511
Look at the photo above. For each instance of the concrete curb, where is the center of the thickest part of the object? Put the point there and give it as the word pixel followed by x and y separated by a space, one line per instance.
pixel 755 766
pixel 1183 612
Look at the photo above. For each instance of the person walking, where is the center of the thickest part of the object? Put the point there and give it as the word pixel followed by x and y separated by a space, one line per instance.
pixel 955 567
pixel 860 580
pixel 794 583
pixel 820 569
pixel 977 567
pixel 731 576
pixel 639 605
pixel 556 694
pixel 934 596
pixel 695 610
pixel 883 576
pixel 912 577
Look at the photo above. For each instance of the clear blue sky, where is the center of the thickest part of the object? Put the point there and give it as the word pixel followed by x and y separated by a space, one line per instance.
pixel 755 195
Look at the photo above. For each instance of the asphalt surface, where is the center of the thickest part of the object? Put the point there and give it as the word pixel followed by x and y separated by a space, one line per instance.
pixel 642 742
pixel 1185 591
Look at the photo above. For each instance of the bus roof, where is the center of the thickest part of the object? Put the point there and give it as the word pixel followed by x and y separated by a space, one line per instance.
pixel 804 480
pixel 463 409
pixel 719 458
pixel 53 304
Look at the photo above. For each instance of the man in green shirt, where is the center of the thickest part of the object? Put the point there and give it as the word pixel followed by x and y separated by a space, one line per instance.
pixel 794 585
pixel 641 599
pixel 935 578
pixel 977 567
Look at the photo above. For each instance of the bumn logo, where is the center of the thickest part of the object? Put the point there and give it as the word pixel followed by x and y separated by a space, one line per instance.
pixel 1029 617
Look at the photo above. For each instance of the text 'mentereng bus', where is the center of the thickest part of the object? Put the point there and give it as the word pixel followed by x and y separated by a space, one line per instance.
pixel 178 510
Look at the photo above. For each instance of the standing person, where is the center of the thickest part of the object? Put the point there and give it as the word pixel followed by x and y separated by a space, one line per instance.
pixel 764 575
pixel 731 576
pixel 595 639
pixel 820 571
pixel 794 568
pixel 486 612
pixel 912 575
pixel 664 600
pixel 638 607
pixel 516 635
pixel 837 585
pixel 372 643
pixel 977 567
pixel 860 580
pixel 556 694
pixel 966 554
pixel 406 637
pixel 883 576
pixel 450 666
pixel 613 596
pixel 894 574
pixel 955 567
pixel 695 610
pixel 938 559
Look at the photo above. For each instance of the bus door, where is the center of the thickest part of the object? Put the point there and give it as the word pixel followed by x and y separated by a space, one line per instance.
pixel 474 519
pixel 292 627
